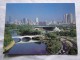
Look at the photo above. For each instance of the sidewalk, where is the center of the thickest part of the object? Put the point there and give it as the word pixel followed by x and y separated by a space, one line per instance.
pixel 9 46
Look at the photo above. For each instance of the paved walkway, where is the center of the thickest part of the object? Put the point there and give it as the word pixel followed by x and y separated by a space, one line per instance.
pixel 9 46
pixel 65 44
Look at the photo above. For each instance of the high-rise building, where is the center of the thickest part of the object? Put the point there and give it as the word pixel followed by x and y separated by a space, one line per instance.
pixel 68 18
pixel 9 20
pixel 65 18
pixel 37 21
pixel 16 21
pixel 25 21
pixel 54 22
pixel 42 23
pixel 29 22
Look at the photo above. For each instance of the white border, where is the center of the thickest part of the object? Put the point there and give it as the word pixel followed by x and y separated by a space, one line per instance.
pixel 43 57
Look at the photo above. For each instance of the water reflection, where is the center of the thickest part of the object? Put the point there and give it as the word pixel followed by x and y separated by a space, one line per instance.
pixel 27 47
pixel 38 42
pixel 17 40
pixel 26 39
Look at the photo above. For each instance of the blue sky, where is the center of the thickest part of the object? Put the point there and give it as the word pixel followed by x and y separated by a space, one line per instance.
pixel 44 11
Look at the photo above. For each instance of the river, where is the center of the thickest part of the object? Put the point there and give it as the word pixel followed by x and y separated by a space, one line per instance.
pixel 27 47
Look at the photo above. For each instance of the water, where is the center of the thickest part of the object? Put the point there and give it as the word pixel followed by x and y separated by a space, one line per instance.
pixel 14 32
pixel 17 40
pixel 28 48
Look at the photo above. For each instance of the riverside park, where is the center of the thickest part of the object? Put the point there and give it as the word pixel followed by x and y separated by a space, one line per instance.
pixel 39 40
pixel 40 29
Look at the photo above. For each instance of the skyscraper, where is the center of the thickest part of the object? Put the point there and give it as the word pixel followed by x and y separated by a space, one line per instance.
pixel 65 18
pixel 37 21
pixel 9 20
pixel 68 18
pixel 42 23
pixel 25 21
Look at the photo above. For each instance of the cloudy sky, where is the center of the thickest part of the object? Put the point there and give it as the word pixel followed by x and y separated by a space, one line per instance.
pixel 51 57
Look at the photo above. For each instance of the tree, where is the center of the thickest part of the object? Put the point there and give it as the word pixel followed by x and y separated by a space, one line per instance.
pixel 73 33
pixel 7 37
pixel 53 44
pixel 72 51
pixel 51 35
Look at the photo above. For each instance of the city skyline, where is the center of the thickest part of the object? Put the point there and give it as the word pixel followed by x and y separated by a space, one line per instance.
pixel 40 29
pixel 44 11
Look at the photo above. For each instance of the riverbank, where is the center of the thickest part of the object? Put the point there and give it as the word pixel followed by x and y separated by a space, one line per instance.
pixel 8 46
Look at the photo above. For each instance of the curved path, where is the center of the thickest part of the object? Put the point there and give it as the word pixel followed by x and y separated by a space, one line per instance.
pixel 65 46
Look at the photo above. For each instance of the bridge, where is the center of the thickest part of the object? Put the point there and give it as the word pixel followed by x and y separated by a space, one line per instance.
pixel 30 36
pixel 27 37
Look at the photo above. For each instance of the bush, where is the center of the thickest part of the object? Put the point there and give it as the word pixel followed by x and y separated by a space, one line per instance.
pixel 72 51
pixel 51 35
pixel 71 33
pixel 36 38
pixel 53 44
pixel 30 32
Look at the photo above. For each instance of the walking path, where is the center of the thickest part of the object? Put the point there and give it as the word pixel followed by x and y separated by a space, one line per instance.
pixel 9 46
pixel 65 44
